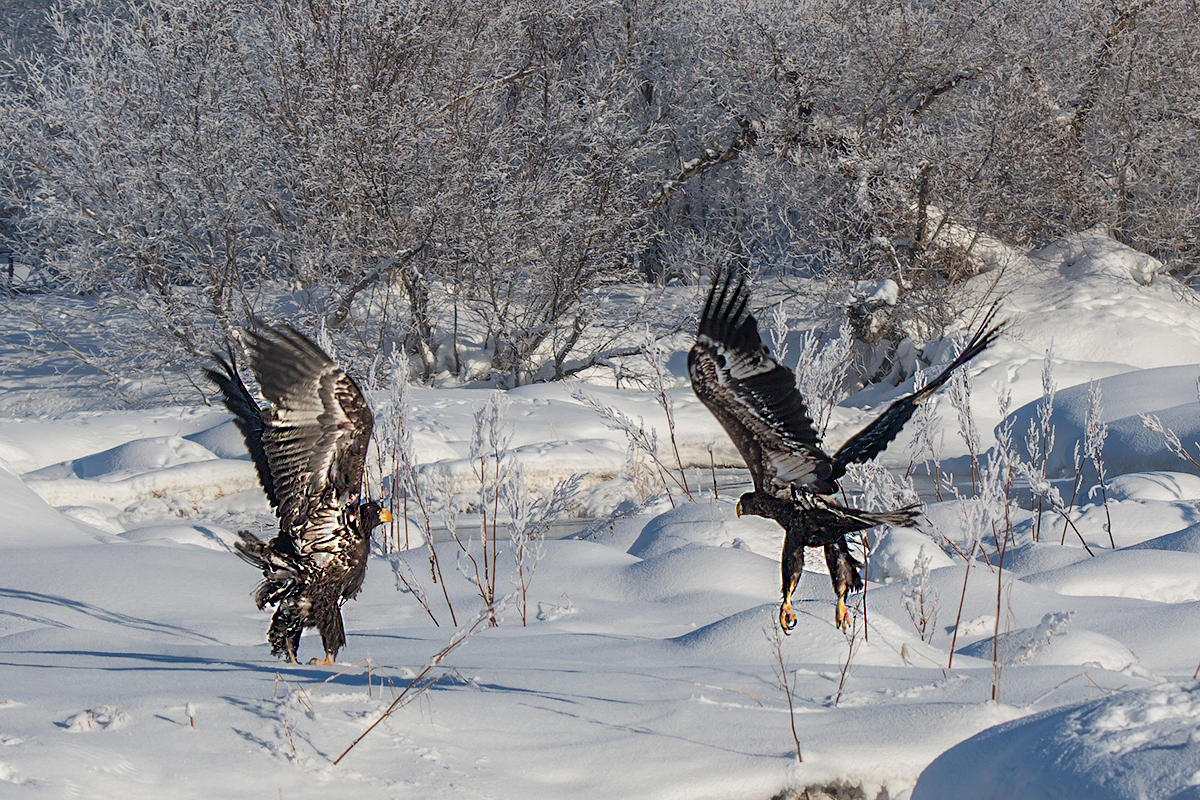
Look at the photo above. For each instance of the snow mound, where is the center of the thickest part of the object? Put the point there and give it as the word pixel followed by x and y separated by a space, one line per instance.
pixel 1156 575
pixel 743 634
pixel 1033 557
pixel 1130 445
pixel 1088 283
pixel 1094 252
pixel 1053 642
pixel 10 775
pixel 1140 743
pixel 201 480
pixel 223 441
pixel 29 521
pixel 132 458
pixel 201 535
pixel 1186 540
pixel 695 570
pixel 746 637
pixel 1162 486
pixel 90 515
pixel 99 718
pixel 894 556
pixel 716 524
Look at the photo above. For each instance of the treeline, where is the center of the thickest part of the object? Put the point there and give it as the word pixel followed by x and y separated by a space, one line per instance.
pixel 470 176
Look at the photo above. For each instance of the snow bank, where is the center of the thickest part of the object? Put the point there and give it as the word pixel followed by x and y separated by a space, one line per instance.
pixel 29 521
pixel 1186 540
pixel 1086 294
pixel 713 523
pixel 1130 446
pixel 1054 642
pixel 1141 744
pixel 1157 575
pixel 646 647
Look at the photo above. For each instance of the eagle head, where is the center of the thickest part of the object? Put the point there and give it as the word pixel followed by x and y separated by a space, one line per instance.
pixel 748 504
pixel 372 515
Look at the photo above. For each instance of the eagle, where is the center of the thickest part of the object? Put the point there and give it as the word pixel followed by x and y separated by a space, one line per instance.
pixel 309 449
pixel 755 399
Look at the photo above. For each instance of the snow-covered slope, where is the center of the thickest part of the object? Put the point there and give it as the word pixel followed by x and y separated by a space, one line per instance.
pixel 133 663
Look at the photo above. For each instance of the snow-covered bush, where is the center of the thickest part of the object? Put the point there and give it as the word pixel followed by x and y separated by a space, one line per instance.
pixel 462 178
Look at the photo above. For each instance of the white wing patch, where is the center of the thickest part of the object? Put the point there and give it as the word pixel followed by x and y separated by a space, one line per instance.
pixel 738 366
pixel 791 467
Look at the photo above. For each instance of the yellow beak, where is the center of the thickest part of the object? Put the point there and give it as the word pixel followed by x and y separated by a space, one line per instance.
pixel 385 515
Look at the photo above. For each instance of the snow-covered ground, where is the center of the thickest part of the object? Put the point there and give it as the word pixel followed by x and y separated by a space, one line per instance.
pixel 133 663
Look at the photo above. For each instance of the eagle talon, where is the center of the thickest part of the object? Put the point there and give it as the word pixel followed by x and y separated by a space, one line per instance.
pixel 787 619
pixel 841 617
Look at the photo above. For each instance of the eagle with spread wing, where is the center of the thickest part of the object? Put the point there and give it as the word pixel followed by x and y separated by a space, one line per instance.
pixel 310 451
pixel 755 399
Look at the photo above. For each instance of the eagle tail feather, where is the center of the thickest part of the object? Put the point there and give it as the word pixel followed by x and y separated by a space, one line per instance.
pixel 281 575
pixel 899 518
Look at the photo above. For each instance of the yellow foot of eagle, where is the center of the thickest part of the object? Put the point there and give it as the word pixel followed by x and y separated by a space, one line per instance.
pixel 787 617
pixel 841 617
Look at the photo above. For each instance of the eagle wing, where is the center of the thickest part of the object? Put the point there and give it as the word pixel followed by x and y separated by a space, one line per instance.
pixel 246 415
pixel 316 436
pixel 753 396
pixel 871 440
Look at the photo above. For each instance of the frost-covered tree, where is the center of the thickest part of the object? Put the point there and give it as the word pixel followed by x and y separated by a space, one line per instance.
pixel 872 140
pixel 465 178
pixel 384 167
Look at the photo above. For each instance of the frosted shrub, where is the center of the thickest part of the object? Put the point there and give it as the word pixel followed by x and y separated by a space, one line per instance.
pixel 779 331
pixel 1039 441
pixel 495 469
pixel 921 599
pixel 658 384
pixel 881 489
pixel 786 681
pixel 1173 444
pixel 959 389
pixel 821 372
pixel 986 512
pixel 1045 490
pixel 407 496
pixel 530 518
pixel 924 427
pixel 1095 432
pixel 641 439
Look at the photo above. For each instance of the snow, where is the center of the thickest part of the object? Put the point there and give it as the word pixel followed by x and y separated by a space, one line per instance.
pixel 1138 743
pixel 133 663
pixel 1131 445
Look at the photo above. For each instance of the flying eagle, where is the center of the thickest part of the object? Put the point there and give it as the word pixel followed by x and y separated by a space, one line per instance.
pixel 310 452
pixel 755 399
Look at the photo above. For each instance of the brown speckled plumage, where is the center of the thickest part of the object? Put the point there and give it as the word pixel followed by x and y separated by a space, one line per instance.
pixel 310 450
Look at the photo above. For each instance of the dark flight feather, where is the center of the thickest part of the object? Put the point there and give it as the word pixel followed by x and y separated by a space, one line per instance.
pixel 316 435
pixel 247 416
pixel 754 397
pixel 874 439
